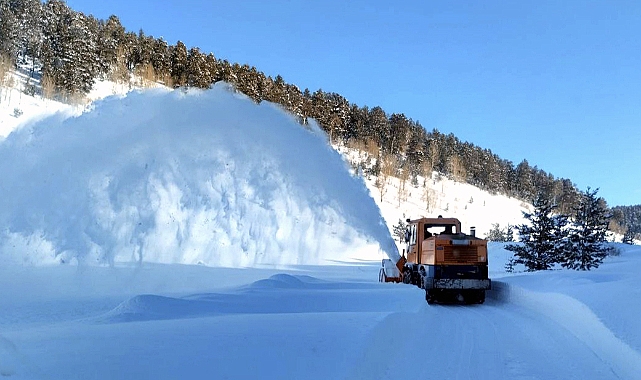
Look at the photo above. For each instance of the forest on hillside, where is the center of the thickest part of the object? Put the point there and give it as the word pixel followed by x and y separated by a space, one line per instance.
pixel 68 51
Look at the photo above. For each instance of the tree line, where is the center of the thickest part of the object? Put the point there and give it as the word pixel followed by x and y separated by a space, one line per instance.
pixel 70 50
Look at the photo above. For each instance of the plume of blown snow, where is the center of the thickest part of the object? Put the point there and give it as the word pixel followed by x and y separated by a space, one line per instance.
pixel 182 177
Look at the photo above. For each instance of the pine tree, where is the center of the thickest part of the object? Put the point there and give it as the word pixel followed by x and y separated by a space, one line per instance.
pixel 628 237
pixel 82 66
pixel 379 125
pixel 542 240
pixel 9 38
pixel 524 184
pixel 495 233
pixel 586 247
pixel 110 39
pixel 179 64
pixel 509 233
pixel 399 229
pixel 160 60
pixel 196 70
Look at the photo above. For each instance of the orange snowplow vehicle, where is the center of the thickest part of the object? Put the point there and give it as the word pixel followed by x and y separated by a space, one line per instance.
pixel 449 264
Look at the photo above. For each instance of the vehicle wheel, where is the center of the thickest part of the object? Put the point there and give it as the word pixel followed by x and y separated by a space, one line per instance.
pixel 429 297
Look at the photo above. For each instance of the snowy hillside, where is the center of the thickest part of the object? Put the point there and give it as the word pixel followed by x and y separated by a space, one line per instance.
pixel 158 179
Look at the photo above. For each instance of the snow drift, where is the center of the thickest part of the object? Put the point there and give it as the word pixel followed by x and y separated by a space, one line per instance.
pixel 182 177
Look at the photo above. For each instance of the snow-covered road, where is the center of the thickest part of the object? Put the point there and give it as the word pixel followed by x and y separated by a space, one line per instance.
pixel 313 322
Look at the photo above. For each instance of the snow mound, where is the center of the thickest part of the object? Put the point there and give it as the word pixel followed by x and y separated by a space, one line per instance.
pixel 287 281
pixel 195 177
pixel 279 294
pixel 153 307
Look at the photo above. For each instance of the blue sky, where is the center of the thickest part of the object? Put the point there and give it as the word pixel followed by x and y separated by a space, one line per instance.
pixel 556 83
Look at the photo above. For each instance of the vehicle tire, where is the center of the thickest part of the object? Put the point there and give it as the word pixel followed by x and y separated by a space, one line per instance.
pixel 407 276
pixel 429 297
pixel 481 297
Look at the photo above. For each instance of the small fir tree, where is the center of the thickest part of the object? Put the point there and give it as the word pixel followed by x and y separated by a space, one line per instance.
pixel 495 233
pixel 628 237
pixel 399 230
pixel 541 239
pixel 586 247
pixel 509 233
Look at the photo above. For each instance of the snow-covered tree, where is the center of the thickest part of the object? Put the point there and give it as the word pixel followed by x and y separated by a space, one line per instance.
pixel 178 59
pixel 586 247
pixel 399 229
pixel 509 233
pixel 628 237
pixel 495 233
pixel 9 37
pixel 542 239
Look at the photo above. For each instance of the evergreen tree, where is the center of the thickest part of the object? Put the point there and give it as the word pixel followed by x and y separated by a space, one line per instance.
pixel 379 125
pixel 399 229
pixel 524 183
pixel 110 38
pixel 9 38
pixel 82 67
pixel 196 70
pixel 509 233
pixel 495 233
pixel 160 60
pixel 179 65
pixel 542 240
pixel 628 237
pixel 586 247
pixel 357 123
pixel 396 139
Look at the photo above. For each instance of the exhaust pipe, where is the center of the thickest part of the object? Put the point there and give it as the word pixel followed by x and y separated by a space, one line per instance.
pixel 473 231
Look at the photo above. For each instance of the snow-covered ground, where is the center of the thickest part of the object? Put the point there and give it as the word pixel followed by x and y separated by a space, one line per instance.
pixel 315 322
pixel 208 237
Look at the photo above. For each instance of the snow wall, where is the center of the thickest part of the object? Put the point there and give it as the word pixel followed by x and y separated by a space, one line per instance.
pixel 182 177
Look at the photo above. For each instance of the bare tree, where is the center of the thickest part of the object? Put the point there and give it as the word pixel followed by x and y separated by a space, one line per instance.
pixel 457 170
pixel 403 177
pixel 5 67
pixel 119 71
pixel 387 163
pixel 48 87
pixel 429 197
pixel 432 158
pixel 146 75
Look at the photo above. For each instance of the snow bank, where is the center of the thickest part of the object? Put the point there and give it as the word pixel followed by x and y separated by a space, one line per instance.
pixel 182 177
pixel 579 320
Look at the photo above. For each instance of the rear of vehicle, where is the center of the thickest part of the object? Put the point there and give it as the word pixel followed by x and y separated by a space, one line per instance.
pixel 451 266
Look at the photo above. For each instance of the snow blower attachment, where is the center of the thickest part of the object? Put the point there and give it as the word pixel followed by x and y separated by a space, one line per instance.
pixel 448 264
